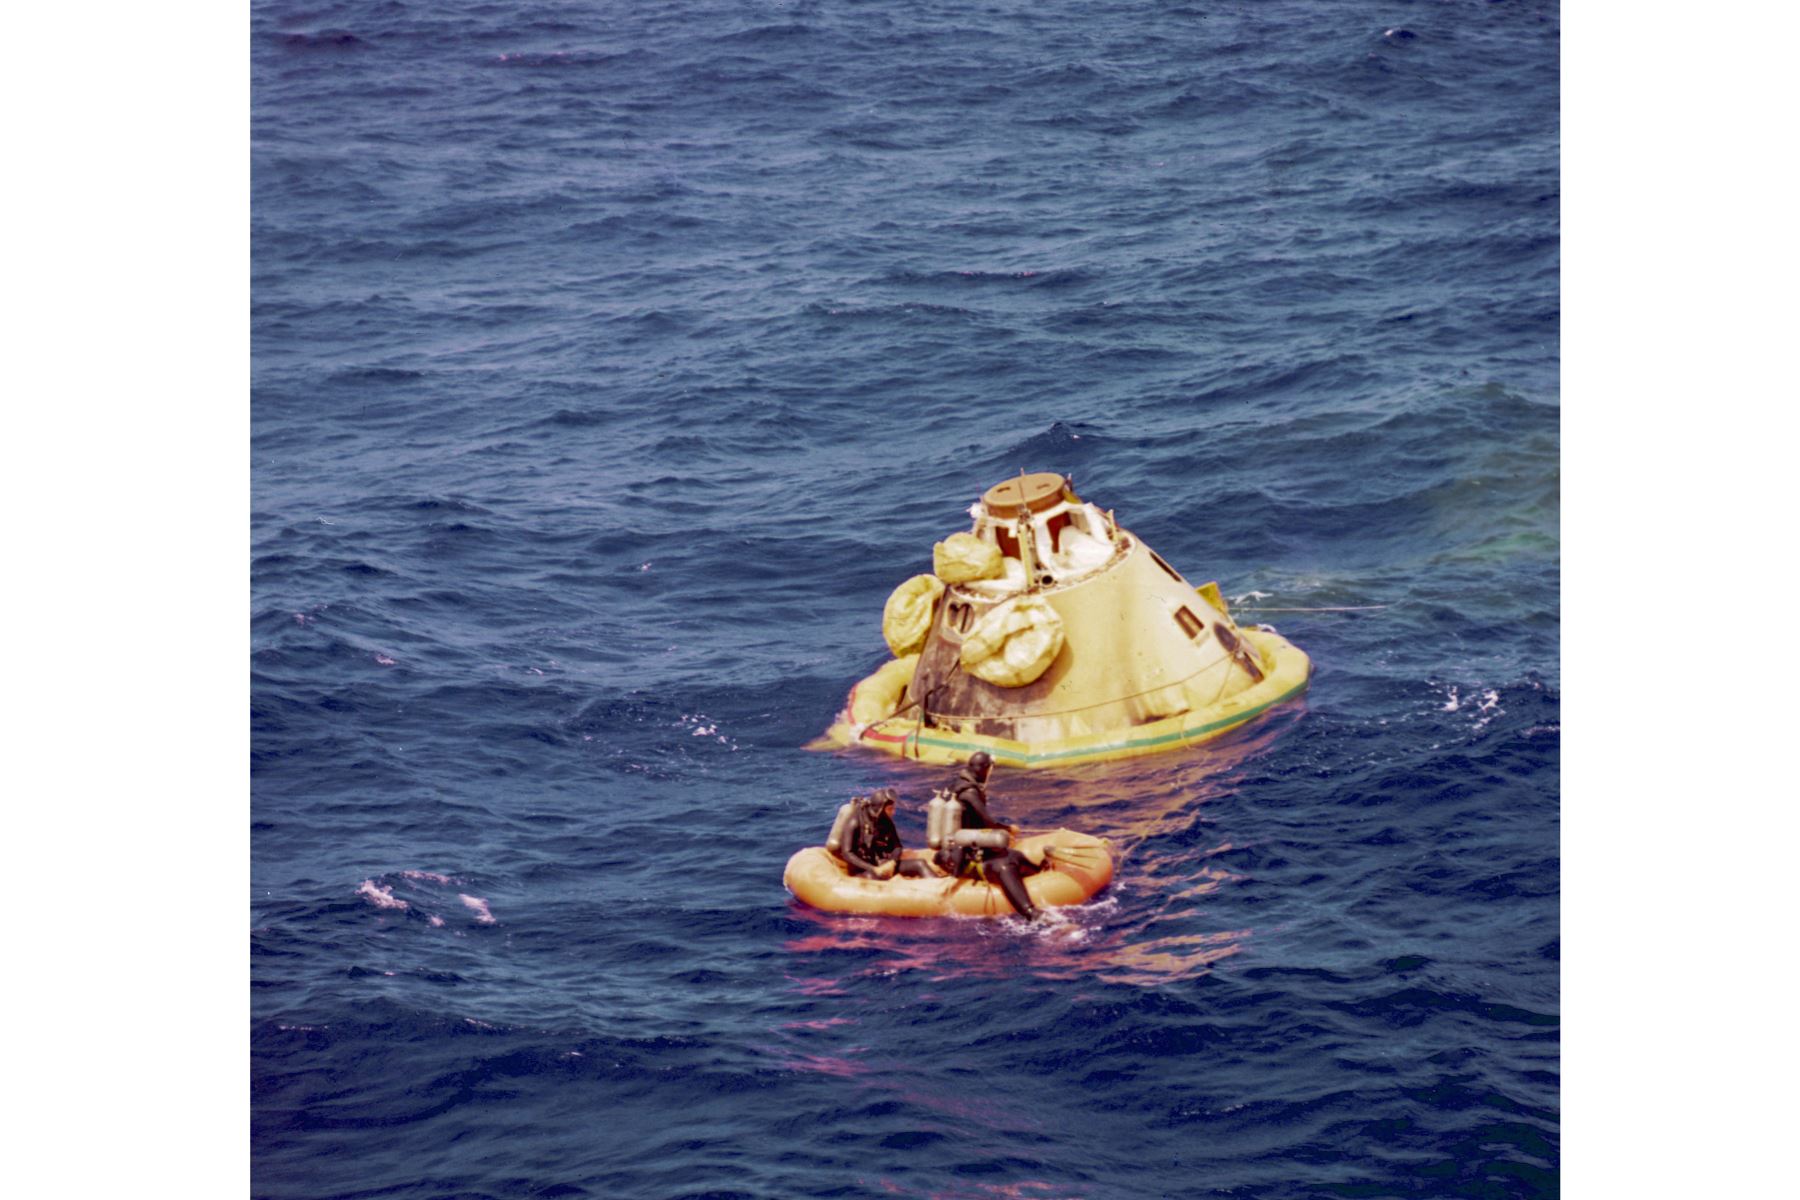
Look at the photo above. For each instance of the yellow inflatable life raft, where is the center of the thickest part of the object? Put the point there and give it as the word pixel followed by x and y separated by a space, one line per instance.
pixel 1076 867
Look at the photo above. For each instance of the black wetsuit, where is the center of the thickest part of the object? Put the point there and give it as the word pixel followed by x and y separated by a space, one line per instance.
pixel 872 840
pixel 1004 868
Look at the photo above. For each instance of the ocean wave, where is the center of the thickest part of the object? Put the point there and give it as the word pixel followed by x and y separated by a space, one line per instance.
pixel 606 379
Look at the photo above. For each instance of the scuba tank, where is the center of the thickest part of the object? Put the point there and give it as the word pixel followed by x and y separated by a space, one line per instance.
pixel 943 827
pixel 943 818
pixel 840 828
pixel 982 839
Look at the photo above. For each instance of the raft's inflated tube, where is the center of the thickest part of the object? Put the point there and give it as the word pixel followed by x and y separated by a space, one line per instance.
pixel 1082 867
pixel 840 828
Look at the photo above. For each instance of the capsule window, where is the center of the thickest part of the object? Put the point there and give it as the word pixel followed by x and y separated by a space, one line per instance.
pixel 1166 567
pixel 1227 639
pixel 1190 624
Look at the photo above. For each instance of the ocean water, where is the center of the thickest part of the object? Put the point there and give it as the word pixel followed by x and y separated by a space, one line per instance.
pixel 612 362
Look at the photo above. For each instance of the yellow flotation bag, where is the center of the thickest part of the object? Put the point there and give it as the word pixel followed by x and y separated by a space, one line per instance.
pixel 963 557
pixel 907 618
pixel 1014 643
pixel 881 694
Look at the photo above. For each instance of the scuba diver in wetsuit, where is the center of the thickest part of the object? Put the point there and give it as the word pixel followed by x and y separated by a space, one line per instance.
pixel 1004 868
pixel 871 844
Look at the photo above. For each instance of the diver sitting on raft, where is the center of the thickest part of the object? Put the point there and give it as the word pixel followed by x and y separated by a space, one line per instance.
pixel 988 854
pixel 865 838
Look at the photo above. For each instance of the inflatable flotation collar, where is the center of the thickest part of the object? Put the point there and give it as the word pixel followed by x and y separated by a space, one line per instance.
pixel 881 694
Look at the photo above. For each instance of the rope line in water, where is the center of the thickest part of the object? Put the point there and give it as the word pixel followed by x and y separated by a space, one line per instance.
pixel 1336 608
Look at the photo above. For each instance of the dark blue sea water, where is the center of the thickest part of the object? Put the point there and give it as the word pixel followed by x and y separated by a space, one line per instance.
pixel 612 362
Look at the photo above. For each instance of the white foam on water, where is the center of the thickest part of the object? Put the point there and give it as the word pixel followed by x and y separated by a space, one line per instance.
pixel 427 877
pixel 380 897
pixel 483 914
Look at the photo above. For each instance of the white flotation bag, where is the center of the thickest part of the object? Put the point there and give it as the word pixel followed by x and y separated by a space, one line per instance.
pixel 1013 643
pixel 962 557
pixel 907 618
